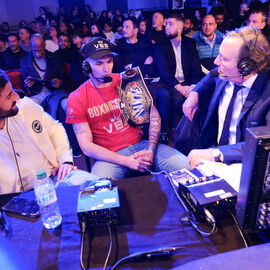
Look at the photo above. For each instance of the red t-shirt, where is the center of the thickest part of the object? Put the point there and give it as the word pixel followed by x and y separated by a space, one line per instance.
pixel 101 112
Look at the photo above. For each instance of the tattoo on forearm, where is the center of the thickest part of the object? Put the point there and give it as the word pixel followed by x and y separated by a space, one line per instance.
pixel 154 129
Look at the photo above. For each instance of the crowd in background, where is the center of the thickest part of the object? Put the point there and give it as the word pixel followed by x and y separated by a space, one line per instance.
pixel 135 38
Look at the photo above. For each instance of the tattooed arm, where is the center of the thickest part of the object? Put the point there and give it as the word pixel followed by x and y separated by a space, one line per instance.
pixel 85 140
pixel 154 130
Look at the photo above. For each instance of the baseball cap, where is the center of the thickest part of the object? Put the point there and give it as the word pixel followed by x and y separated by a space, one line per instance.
pixel 97 47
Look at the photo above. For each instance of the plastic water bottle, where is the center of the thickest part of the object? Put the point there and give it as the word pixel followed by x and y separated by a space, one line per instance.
pixel 47 200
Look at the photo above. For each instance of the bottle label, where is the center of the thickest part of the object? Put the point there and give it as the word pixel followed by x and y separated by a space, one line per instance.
pixel 47 199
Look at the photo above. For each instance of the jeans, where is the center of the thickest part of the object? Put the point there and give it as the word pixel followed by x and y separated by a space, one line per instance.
pixel 75 177
pixel 169 105
pixel 166 158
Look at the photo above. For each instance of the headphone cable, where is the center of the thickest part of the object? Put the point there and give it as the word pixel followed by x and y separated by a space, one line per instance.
pixel 15 155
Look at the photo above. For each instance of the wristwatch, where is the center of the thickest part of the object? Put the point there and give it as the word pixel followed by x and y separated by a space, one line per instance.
pixel 216 154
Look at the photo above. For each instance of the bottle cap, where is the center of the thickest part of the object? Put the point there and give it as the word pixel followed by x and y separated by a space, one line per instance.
pixel 41 174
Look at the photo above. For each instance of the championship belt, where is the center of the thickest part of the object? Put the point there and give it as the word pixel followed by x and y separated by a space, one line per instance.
pixel 134 98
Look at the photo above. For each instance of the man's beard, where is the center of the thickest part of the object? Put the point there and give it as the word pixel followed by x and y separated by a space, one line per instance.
pixel 172 36
pixel 11 112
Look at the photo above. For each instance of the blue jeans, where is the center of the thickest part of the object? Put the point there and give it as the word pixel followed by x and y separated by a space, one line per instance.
pixel 166 158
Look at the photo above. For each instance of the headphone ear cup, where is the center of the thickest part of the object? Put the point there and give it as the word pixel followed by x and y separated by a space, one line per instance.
pixel 246 66
pixel 86 68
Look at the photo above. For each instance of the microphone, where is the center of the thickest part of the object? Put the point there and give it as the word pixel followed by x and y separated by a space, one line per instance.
pixel 216 74
pixel 107 79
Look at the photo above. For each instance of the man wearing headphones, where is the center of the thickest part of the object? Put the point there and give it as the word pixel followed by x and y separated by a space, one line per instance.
pixel 236 96
pixel 93 109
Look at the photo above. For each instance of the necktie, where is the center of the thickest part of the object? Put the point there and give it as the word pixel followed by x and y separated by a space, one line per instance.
pixel 224 138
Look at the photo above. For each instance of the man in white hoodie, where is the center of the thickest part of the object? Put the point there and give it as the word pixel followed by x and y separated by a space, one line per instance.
pixel 30 140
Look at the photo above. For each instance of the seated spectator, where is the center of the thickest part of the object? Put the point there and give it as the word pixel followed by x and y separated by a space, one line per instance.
pixel 118 33
pixel 23 23
pixel 208 41
pixel 157 32
pixel 64 28
pixel 96 31
pixel 65 52
pixel 197 19
pixel 40 28
pixel 242 18
pixel 98 132
pixel 33 27
pixel 219 14
pixel 77 75
pixel 103 18
pixel 24 123
pixel 5 28
pixel 118 16
pixel 85 29
pixel 24 35
pixel 132 51
pixel 108 30
pixel 189 28
pixel 42 72
pixel 257 18
pixel 144 33
pixel 61 15
pixel 178 65
pixel 91 18
pixel 10 58
pixel 3 43
pixel 51 43
pixel 77 39
pixel 75 17
pixel 44 17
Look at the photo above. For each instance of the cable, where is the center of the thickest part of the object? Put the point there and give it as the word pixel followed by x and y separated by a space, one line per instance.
pixel 114 117
pixel 15 156
pixel 167 251
pixel 82 240
pixel 189 217
pixel 239 229
pixel 110 248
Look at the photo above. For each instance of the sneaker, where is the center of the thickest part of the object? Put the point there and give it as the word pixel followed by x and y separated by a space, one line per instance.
pixel 163 138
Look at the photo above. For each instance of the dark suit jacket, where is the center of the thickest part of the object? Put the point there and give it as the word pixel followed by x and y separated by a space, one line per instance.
pixel 255 113
pixel 53 70
pixel 164 59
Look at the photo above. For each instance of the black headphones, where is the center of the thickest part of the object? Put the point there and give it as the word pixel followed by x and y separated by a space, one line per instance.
pixel 246 65
pixel 86 68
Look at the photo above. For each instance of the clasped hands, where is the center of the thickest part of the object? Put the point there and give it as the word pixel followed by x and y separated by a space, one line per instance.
pixel 142 160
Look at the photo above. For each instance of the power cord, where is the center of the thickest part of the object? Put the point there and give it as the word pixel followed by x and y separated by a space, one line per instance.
pixel 239 229
pixel 82 241
pixel 188 217
pixel 110 248
pixel 167 251
pixel 82 244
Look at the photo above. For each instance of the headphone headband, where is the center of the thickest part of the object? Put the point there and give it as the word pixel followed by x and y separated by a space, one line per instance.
pixel 246 65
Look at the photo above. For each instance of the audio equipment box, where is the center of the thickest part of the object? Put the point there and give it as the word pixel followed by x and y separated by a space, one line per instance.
pixel 253 202
pixel 204 192
pixel 98 203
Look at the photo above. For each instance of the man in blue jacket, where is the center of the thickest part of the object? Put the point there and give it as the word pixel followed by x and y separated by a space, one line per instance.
pixel 238 94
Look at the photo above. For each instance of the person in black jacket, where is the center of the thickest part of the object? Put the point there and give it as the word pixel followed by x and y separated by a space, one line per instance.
pixel 133 51
pixel 10 58
pixel 178 65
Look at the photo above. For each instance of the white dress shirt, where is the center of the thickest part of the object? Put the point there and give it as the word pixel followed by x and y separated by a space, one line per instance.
pixel 179 74
pixel 239 102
